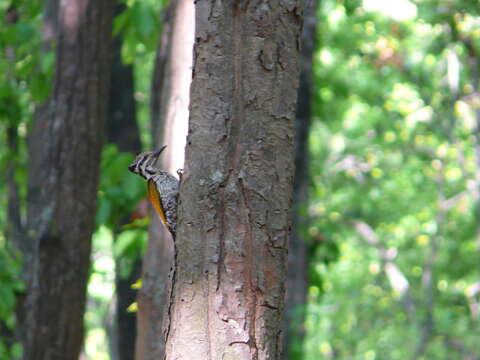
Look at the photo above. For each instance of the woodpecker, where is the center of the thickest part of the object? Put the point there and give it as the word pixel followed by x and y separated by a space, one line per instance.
pixel 162 187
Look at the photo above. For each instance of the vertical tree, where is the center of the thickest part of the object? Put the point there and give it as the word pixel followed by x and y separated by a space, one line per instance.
pixel 122 130
pixel 64 153
pixel 169 116
pixel 297 282
pixel 235 198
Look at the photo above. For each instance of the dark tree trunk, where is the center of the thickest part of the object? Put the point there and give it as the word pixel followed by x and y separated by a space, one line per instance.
pixel 122 126
pixel 64 154
pixel 125 322
pixel 169 109
pixel 236 192
pixel 297 282
pixel 123 132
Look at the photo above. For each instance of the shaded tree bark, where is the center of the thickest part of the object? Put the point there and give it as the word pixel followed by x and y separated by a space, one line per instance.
pixel 297 282
pixel 64 155
pixel 169 109
pixel 122 126
pixel 236 191
pixel 123 131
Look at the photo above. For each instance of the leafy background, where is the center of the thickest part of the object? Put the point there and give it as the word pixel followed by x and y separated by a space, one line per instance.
pixel 393 228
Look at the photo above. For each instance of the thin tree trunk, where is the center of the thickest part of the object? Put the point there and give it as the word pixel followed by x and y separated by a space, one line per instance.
pixel 123 131
pixel 297 282
pixel 169 108
pixel 64 154
pixel 122 126
pixel 236 190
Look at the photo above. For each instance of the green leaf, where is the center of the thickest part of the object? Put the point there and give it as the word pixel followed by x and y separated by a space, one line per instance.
pixel 121 22
pixel 47 61
pixel 7 299
pixel 127 241
pixel 40 87
pixel 144 19
pixel 16 351
pixel 104 210
pixel 134 186
pixel 24 32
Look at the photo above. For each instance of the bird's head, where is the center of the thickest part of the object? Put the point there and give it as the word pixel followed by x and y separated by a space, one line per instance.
pixel 143 164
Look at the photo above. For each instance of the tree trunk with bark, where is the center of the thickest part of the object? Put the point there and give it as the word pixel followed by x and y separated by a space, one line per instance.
pixel 64 154
pixel 236 191
pixel 169 109
pixel 297 282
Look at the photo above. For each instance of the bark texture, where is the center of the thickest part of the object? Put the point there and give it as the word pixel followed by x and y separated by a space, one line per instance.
pixel 236 191
pixel 169 109
pixel 297 282
pixel 64 154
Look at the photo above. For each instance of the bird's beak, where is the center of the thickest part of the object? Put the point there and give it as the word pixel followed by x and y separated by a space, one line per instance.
pixel 157 153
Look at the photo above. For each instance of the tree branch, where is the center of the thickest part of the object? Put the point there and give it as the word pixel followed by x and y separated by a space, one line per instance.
pixel 397 279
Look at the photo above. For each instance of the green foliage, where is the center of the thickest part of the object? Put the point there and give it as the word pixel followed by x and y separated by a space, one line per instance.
pixel 394 149
pixel 119 194
pixel 120 239
pixel 138 24
pixel 10 266
pixel 25 78
pixel 11 285
pixel 139 27
pixel 119 190
pixel 26 71
pixel 117 242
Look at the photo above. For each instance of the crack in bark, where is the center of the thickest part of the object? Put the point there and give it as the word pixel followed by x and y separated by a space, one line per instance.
pixel 270 306
pixel 238 119
pixel 171 296
pixel 221 250
pixel 251 293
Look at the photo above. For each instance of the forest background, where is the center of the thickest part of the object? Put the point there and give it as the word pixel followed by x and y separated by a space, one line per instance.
pixel 390 224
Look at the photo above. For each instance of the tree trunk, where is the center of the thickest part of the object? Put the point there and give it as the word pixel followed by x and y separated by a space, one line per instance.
pixel 123 131
pixel 236 190
pixel 169 108
pixel 297 282
pixel 64 155
pixel 122 126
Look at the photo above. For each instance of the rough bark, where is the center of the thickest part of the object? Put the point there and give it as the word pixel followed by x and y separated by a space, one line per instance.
pixel 236 191
pixel 297 282
pixel 64 154
pixel 169 109
pixel 123 131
